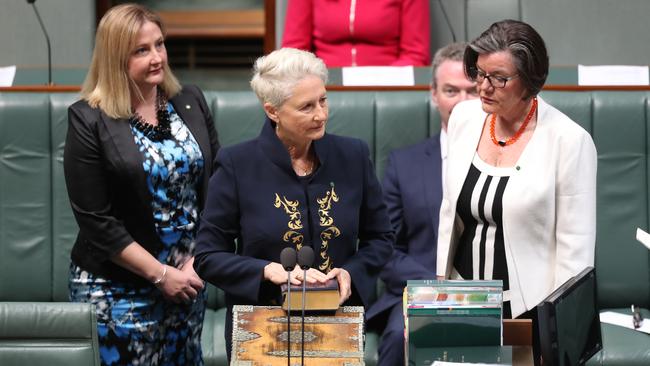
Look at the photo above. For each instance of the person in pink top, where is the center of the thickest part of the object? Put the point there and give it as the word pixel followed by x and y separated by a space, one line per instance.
pixel 360 32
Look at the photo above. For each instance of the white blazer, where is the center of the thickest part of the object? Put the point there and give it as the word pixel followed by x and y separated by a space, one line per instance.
pixel 549 204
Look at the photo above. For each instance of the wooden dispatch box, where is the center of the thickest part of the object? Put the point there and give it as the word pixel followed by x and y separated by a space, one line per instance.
pixel 259 337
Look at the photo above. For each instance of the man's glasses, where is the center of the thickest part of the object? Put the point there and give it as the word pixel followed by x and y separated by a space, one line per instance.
pixel 495 81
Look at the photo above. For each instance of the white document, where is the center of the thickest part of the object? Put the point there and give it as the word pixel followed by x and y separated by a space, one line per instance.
pixel 444 363
pixel 7 75
pixel 378 76
pixel 643 237
pixel 623 320
pixel 613 75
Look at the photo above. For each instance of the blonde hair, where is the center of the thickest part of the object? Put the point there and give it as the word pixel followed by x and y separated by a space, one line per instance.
pixel 108 85
pixel 276 74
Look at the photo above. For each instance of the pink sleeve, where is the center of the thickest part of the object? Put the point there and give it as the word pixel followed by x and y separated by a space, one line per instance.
pixel 415 34
pixel 298 25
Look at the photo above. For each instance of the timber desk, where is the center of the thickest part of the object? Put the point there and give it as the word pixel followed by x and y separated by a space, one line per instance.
pixel 260 338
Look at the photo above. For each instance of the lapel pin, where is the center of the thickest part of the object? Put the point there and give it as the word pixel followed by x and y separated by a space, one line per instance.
pixel 187 106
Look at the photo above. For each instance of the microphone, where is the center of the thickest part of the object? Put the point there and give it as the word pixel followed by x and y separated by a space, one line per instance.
pixel 288 261
pixel 305 261
pixel 47 39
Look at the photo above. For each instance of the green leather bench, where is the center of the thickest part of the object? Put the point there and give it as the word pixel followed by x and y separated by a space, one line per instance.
pixel 48 334
pixel 37 228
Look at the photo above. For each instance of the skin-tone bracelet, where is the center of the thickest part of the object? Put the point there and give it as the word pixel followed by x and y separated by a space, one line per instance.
pixel 162 277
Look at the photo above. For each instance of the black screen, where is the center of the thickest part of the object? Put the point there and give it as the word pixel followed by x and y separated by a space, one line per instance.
pixel 569 324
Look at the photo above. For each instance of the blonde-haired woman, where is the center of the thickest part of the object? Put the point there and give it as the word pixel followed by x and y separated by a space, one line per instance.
pixel 138 155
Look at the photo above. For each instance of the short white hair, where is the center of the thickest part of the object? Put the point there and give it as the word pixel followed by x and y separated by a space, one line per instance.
pixel 276 74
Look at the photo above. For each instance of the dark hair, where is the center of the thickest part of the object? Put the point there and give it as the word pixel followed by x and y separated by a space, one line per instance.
pixel 522 41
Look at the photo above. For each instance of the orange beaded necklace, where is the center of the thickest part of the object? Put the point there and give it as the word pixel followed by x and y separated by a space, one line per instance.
pixel 521 129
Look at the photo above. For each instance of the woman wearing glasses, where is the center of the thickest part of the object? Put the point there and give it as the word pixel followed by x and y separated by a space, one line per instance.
pixel 520 192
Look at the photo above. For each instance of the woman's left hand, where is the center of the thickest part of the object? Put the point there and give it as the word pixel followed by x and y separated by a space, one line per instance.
pixel 345 283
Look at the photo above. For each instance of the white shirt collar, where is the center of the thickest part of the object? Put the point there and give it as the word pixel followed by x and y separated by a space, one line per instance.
pixel 443 144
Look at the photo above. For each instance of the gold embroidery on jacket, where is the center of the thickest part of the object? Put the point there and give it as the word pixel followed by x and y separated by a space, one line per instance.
pixel 295 223
pixel 330 231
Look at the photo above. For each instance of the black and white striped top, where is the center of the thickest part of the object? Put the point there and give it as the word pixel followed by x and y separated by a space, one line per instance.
pixel 481 253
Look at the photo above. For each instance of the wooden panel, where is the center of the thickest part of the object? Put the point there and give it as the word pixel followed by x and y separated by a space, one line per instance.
pixel 246 23
pixel 269 26
pixel 517 332
pixel 260 337
pixel 41 88
pixel 578 88
pixel 76 88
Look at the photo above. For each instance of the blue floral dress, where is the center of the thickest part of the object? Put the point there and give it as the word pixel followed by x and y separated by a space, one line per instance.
pixel 136 325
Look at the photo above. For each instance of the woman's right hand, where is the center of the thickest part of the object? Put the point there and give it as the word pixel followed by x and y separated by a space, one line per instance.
pixel 180 286
pixel 275 273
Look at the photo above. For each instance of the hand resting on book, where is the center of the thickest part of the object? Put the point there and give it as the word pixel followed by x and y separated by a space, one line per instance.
pixel 275 273
pixel 320 296
pixel 345 283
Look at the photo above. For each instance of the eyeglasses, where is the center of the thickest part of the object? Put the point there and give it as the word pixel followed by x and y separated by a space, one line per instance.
pixel 495 81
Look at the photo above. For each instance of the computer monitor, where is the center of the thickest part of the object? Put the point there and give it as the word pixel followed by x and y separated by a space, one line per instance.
pixel 569 324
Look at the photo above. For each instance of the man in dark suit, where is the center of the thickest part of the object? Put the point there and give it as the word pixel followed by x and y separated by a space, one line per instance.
pixel 413 191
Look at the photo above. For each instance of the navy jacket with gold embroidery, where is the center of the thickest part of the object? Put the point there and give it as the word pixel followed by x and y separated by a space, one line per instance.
pixel 257 206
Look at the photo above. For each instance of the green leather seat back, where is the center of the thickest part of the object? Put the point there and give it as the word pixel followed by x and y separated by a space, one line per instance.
pixel 352 114
pixel 402 119
pixel 621 136
pixel 212 338
pixel 48 334
pixel 25 198
pixel 576 106
pixel 238 116
pixel 37 228
pixel 615 120
pixel 64 226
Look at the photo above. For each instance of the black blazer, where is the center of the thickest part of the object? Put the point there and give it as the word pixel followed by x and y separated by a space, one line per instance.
pixel 413 193
pixel 107 185
pixel 256 198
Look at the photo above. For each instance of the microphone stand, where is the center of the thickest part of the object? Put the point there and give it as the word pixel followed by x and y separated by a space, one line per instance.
pixel 47 39
pixel 305 261
pixel 302 341
pixel 288 261
pixel 288 318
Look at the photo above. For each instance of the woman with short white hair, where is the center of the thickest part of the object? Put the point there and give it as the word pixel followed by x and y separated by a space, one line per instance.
pixel 294 185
